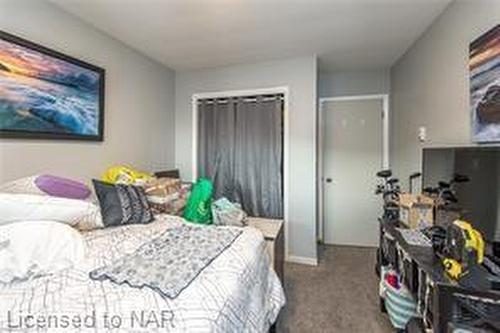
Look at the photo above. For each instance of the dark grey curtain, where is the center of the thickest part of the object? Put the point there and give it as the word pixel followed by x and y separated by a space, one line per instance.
pixel 240 150
pixel 216 132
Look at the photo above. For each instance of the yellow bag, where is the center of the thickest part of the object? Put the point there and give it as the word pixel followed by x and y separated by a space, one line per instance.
pixel 125 175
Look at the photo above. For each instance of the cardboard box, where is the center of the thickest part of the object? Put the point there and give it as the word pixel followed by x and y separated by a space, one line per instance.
pixel 416 210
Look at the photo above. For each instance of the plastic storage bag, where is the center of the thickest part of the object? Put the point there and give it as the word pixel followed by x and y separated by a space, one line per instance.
pixel 225 212
pixel 125 175
pixel 198 208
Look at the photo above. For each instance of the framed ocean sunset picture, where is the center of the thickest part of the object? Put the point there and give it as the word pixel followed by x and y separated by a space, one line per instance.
pixel 48 95
pixel 484 65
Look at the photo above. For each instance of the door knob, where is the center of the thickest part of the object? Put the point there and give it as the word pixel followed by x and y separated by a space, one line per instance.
pixel 328 180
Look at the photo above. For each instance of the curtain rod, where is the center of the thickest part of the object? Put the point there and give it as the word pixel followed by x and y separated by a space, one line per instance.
pixel 224 100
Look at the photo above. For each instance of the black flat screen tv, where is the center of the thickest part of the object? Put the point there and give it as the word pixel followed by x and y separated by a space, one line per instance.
pixel 480 197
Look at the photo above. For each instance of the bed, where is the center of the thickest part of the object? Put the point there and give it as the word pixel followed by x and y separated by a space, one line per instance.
pixel 236 292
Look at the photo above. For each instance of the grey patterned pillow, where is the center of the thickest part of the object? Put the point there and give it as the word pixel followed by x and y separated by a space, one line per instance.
pixel 122 204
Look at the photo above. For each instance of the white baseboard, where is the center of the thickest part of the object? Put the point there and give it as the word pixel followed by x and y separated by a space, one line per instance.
pixel 302 260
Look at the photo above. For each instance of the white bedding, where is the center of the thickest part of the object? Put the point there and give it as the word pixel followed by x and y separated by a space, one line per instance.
pixel 237 292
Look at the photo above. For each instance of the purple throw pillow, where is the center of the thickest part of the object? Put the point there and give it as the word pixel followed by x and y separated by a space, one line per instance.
pixel 62 187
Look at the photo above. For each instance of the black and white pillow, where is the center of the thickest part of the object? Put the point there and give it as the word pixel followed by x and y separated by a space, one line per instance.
pixel 122 204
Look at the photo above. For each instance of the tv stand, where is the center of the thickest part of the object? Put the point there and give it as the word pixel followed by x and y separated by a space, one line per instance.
pixel 443 304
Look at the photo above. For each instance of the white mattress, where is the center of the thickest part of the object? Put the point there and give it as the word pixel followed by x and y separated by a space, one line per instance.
pixel 237 292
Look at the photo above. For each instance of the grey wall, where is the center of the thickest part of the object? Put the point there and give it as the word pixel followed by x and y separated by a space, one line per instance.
pixel 300 76
pixel 430 83
pixel 139 110
pixel 334 84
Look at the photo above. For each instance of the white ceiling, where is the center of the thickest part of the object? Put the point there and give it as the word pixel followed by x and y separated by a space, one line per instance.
pixel 193 34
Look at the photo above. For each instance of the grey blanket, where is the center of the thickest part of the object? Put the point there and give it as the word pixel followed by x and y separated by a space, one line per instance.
pixel 169 263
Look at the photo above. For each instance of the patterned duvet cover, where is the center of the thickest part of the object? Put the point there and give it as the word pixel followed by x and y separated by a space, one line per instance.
pixel 236 292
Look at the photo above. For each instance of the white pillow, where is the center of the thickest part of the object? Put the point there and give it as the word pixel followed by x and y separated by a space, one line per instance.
pixel 24 185
pixel 27 185
pixel 90 221
pixel 30 207
pixel 36 248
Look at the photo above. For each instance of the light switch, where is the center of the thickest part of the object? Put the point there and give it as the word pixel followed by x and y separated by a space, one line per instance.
pixel 422 134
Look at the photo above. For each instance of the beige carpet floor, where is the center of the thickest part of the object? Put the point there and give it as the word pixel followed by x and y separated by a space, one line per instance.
pixel 338 295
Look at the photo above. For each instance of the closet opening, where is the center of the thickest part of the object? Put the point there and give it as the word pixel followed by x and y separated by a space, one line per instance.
pixel 240 143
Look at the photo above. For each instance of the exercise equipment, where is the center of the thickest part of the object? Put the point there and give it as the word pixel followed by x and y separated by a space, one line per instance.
pixel 412 178
pixel 446 205
pixel 444 193
pixel 389 189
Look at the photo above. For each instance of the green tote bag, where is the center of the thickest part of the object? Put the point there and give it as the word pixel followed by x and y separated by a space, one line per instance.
pixel 198 208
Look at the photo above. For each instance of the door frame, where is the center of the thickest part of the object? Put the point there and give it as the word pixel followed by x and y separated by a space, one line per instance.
pixel 385 145
pixel 286 139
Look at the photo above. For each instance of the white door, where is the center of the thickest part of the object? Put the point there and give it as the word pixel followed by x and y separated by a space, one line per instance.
pixel 352 154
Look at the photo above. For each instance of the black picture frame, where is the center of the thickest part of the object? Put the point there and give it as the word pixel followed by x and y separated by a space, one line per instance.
pixel 23 134
pixel 484 71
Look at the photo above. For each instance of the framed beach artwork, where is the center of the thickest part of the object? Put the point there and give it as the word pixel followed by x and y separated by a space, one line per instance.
pixel 484 65
pixel 48 95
